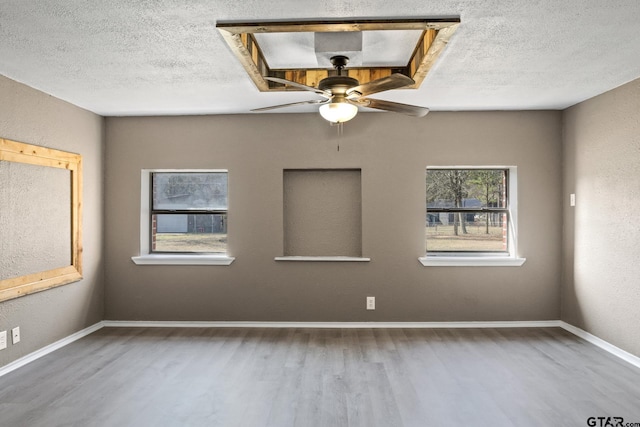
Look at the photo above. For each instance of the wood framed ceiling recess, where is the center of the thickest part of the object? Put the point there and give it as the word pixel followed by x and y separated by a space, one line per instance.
pixel 240 36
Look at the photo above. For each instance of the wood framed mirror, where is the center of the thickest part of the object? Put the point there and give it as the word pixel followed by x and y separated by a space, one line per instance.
pixel 40 218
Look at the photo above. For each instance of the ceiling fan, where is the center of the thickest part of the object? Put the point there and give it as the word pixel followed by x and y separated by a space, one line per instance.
pixel 343 95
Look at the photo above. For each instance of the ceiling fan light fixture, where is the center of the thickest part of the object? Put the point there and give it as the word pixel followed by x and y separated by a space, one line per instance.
pixel 338 112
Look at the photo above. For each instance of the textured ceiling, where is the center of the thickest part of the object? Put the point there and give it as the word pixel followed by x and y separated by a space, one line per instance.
pixel 123 57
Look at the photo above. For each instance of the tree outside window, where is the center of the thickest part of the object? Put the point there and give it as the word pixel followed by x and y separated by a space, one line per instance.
pixel 467 210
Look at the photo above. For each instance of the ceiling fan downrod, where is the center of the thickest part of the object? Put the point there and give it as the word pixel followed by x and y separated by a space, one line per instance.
pixel 339 62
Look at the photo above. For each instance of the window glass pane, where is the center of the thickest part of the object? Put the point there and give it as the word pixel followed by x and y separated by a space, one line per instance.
pixel 467 232
pixel 189 233
pixel 466 188
pixel 189 191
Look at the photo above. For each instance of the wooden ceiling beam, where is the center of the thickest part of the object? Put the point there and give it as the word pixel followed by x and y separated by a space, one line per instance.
pixel 336 26
pixel 436 33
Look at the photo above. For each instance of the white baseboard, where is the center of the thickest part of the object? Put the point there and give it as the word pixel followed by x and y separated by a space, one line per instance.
pixel 616 351
pixel 628 357
pixel 327 325
pixel 48 349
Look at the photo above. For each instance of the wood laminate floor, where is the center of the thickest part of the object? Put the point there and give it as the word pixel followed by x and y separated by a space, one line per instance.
pixel 321 377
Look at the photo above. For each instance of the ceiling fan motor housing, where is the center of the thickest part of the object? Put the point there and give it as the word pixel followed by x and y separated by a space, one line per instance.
pixel 337 85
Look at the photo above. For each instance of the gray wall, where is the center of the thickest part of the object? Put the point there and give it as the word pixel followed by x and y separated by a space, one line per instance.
pixel 601 289
pixel 31 242
pixel 392 151
pixel 596 257
pixel 30 116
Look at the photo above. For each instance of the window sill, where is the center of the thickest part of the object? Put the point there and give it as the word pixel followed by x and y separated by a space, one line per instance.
pixel 460 261
pixel 322 258
pixel 158 259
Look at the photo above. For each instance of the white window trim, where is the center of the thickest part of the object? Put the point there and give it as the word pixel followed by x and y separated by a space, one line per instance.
pixel 322 258
pixel 484 259
pixel 146 257
pixel 466 261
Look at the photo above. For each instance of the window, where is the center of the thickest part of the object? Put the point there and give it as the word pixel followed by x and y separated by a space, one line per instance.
pixel 470 216
pixel 184 217
pixel 189 212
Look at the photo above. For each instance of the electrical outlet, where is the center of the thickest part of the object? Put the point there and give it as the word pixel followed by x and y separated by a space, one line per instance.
pixel 3 340
pixel 572 199
pixel 371 303
pixel 15 334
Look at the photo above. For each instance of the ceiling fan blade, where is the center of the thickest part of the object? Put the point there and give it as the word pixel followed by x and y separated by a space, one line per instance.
pixel 396 107
pixel 313 101
pixel 298 85
pixel 394 81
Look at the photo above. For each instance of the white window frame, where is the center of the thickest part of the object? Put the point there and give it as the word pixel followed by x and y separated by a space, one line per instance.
pixel 484 259
pixel 147 257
